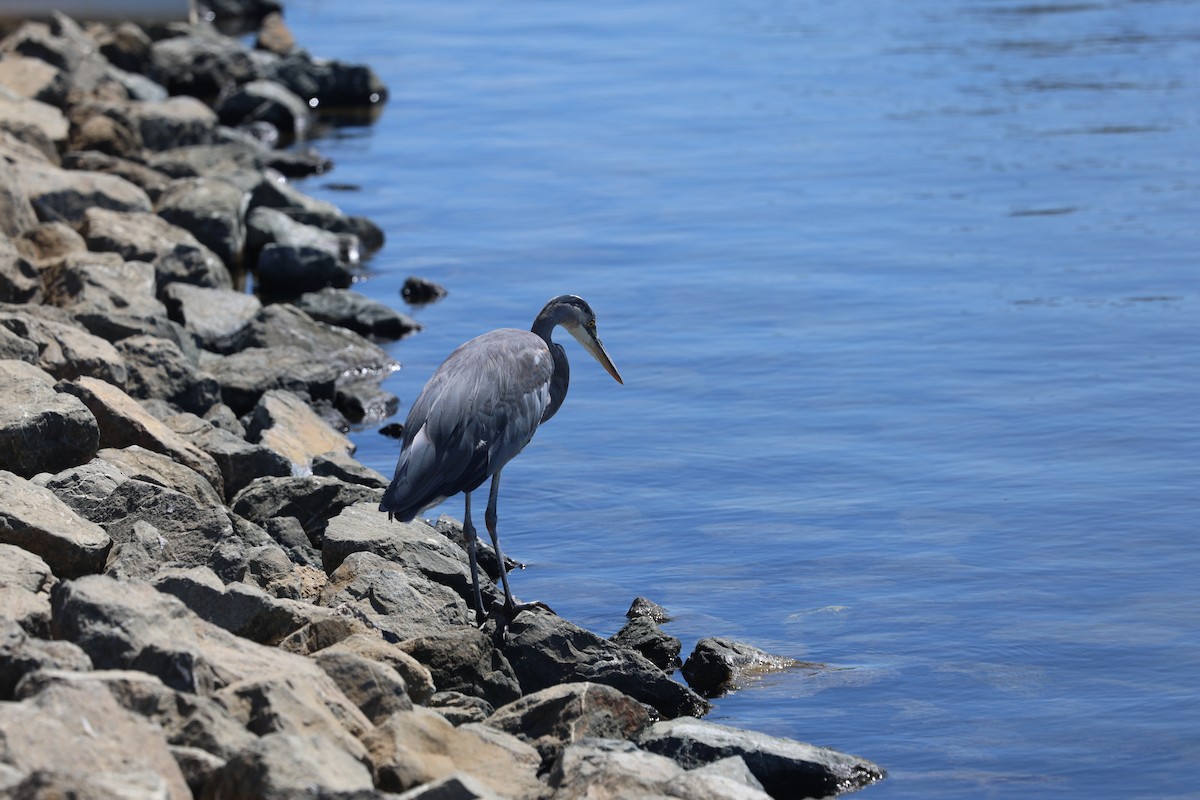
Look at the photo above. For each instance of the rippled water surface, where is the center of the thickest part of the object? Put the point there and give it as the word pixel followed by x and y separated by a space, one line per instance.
pixel 907 301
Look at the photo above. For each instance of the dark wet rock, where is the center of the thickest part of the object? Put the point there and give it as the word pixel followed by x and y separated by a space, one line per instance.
pixel 348 470
pixel 177 255
pixel 547 650
pixel 377 689
pixel 717 664
pixel 41 429
pixel 64 350
pixel 349 309
pixel 643 635
pixel 217 318
pixel 419 291
pixel 22 654
pixel 150 180
pixel 463 660
pixel 19 280
pixel 65 195
pixel 201 65
pixel 285 423
pixel 642 607
pixel 786 768
pixel 148 466
pixel 25 584
pixel 397 602
pixel 117 752
pixel 34 519
pixel 453 787
pixel 560 715
pixel 212 210
pixel 459 708
pixel 239 461
pixel 314 501
pixel 285 270
pixel 415 747
pixel 239 608
pixel 265 101
pixel 123 422
pixel 417 679
pixel 282 766
pixel 363 400
pixel 332 84
pixel 157 368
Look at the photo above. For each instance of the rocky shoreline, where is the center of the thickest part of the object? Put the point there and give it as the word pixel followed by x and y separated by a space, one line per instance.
pixel 198 595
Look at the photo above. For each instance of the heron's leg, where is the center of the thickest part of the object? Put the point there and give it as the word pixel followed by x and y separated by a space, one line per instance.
pixel 489 519
pixel 469 535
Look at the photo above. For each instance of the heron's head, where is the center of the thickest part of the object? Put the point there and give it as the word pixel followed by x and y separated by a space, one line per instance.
pixel 574 314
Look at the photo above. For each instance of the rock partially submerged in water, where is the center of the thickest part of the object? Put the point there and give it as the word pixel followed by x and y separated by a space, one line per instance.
pixel 717 665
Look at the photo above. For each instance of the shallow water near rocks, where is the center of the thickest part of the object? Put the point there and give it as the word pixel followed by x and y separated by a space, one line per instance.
pixel 907 303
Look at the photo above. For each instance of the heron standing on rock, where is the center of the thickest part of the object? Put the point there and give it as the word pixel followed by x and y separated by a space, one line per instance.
pixel 480 408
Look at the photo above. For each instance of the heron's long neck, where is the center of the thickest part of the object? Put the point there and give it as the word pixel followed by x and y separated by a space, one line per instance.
pixel 543 326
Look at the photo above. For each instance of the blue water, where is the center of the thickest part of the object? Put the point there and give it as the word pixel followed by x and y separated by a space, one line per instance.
pixel 907 301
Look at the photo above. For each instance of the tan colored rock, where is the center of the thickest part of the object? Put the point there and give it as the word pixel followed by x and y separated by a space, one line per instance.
pixel 123 422
pixel 25 584
pixel 418 746
pixel 285 423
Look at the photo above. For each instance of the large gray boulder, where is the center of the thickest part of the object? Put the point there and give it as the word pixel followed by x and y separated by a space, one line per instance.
pixel 25 584
pixel 34 519
pixel 211 209
pixel 283 766
pixel 41 429
pixel 64 349
pixel 177 255
pixel 59 194
pixel 216 317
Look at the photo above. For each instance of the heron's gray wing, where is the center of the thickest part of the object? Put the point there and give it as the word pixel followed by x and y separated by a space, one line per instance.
pixel 480 408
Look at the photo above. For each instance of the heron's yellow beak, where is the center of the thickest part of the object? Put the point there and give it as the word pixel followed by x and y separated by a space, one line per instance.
pixel 592 345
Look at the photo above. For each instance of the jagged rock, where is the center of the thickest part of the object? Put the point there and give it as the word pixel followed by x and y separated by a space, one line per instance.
pixel 35 79
pixel 14 348
pixel 245 375
pixel 786 768
pixel 282 766
pixel 157 368
pixel 716 665
pixel 461 709
pixel 413 545
pixel 313 501
pixel 377 689
pixel 643 635
pixel 265 101
pixel 346 469
pixel 641 607
pixel 216 317
pixel 199 767
pixel 16 212
pixel 239 608
pixel 420 291
pixel 59 194
pixel 213 211
pixel 19 280
pixel 41 120
pixel 285 423
pixel 41 430
pixel 123 423
pixel 64 350
pixel 112 747
pixel 126 46
pixel 151 467
pixel 397 602
pixel 364 400
pixel 415 747
pixel 560 715
pixel 356 312
pixel 333 84
pixel 174 122
pixel 187 719
pixel 150 180
pixel 284 270
pixel 289 534
pixel 417 678
pixel 463 660
pixel 548 650
pixel 239 461
pixel 34 519
pixel 201 65
pixel 22 654
pixel 25 583
pixel 177 255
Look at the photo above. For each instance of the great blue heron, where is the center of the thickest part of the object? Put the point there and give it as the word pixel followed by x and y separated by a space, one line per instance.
pixel 480 408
